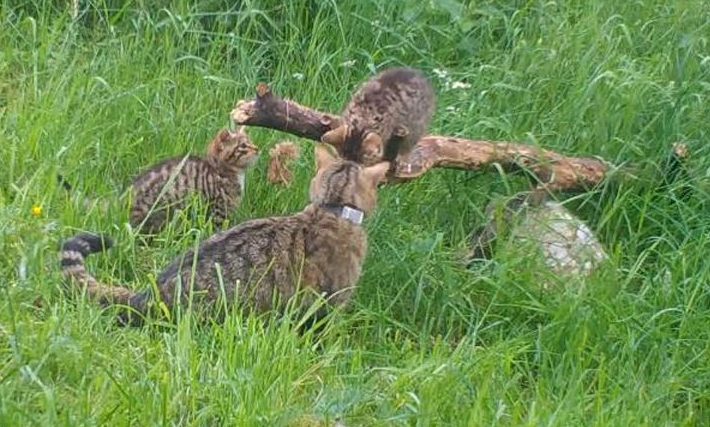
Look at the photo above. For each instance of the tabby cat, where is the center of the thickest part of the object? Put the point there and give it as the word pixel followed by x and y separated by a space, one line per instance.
pixel 218 178
pixel 385 117
pixel 321 249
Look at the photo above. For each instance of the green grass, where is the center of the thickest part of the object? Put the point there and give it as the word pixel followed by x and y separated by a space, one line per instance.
pixel 427 341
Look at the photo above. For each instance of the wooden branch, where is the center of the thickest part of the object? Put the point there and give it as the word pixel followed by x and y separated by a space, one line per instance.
pixel 554 171
pixel 270 111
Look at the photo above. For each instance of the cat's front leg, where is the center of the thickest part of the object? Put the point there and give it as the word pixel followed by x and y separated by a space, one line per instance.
pixel 221 208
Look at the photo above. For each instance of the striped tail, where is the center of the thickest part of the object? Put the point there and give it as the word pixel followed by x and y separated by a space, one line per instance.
pixel 72 260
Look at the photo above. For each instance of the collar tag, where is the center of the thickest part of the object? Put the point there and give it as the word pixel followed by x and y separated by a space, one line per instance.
pixel 353 215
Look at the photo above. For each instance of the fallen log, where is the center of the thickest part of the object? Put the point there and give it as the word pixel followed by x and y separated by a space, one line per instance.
pixel 553 171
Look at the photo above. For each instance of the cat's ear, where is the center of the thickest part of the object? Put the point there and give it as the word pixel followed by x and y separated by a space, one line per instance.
pixel 324 156
pixel 372 143
pixel 377 172
pixel 335 137
pixel 215 148
pixel 224 135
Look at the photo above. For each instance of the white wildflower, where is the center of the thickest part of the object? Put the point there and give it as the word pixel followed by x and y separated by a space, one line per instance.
pixel 460 85
pixel 442 74
pixel 298 76
pixel 349 63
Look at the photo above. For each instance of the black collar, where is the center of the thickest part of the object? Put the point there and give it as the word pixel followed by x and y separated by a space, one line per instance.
pixel 349 213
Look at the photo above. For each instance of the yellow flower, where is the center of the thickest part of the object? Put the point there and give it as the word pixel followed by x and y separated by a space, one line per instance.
pixel 36 211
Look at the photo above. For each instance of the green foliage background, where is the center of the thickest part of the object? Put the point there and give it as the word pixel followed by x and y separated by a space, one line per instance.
pixel 428 341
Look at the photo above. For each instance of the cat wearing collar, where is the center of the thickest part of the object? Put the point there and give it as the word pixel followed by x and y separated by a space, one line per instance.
pixel 262 263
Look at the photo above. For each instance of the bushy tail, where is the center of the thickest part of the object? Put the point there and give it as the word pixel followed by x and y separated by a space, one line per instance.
pixel 72 256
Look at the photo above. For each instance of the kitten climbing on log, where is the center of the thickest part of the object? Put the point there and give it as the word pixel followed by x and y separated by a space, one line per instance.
pixel 554 171
pixel 386 117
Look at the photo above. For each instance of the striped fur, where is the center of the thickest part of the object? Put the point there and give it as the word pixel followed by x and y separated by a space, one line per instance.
pixel 218 178
pixel 72 261
pixel 262 261
pixel 385 117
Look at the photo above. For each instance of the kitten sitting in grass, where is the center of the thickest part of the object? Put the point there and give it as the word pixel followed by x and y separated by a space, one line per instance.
pixel 385 117
pixel 258 262
pixel 218 178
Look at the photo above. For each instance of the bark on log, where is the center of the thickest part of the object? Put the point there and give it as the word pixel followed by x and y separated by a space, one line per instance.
pixel 554 172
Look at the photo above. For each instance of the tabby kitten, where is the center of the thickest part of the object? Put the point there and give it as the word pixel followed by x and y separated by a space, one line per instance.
pixel 386 117
pixel 218 179
pixel 320 249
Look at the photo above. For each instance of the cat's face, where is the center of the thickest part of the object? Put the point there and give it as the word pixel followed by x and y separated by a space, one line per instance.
pixel 341 181
pixel 234 148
